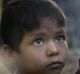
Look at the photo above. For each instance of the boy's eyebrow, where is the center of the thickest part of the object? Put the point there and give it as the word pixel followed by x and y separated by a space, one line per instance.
pixel 40 34
pixel 60 32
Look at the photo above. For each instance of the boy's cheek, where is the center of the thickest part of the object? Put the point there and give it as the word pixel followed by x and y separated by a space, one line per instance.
pixel 64 48
pixel 64 51
pixel 32 62
pixel 33 56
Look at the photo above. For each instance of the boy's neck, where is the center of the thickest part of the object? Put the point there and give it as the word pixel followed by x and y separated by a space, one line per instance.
pixel 19 72
pixel 22 72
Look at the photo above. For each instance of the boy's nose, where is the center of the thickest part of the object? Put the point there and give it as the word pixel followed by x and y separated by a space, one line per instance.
pixel 52 50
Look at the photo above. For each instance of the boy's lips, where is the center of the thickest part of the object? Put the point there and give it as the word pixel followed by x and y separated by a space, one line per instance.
pixel 55 65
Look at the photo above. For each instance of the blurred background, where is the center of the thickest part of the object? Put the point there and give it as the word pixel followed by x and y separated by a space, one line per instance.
pixel 0 9
pixel 71 9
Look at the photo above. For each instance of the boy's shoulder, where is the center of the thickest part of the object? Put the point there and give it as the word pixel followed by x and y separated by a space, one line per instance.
pixel 3 67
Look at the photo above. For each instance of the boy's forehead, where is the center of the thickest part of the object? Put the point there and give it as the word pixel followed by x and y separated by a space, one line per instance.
pixel 47 26
pixel 50 25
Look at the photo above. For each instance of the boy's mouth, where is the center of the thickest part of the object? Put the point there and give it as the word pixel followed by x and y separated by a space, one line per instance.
pixel 55 65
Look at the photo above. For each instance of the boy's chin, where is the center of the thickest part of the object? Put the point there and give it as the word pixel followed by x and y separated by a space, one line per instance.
pixel 50 70
pixel 54 71
pixel 44 72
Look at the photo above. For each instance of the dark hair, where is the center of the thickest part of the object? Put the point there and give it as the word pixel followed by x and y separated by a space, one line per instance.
pixel 24 15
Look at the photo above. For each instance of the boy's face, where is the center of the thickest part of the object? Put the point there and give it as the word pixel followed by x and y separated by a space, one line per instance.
pixel 44 50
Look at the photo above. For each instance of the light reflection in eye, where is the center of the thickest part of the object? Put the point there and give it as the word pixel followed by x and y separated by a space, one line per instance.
pixel 38 42
pixel 60 39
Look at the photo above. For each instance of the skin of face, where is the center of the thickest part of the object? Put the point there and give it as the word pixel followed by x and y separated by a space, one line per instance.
pixel 43 50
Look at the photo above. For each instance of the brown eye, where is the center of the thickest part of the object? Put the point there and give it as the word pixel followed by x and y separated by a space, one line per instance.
pixel 38 42
pixel 60 39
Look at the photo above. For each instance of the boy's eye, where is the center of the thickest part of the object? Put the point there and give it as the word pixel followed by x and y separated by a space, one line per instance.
pixel 38 42
pixel 60 39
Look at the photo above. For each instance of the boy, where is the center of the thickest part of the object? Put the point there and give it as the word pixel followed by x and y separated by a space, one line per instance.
pixel 34 37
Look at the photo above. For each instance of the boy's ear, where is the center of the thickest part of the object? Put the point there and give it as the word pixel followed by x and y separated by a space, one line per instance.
pixel 9 54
